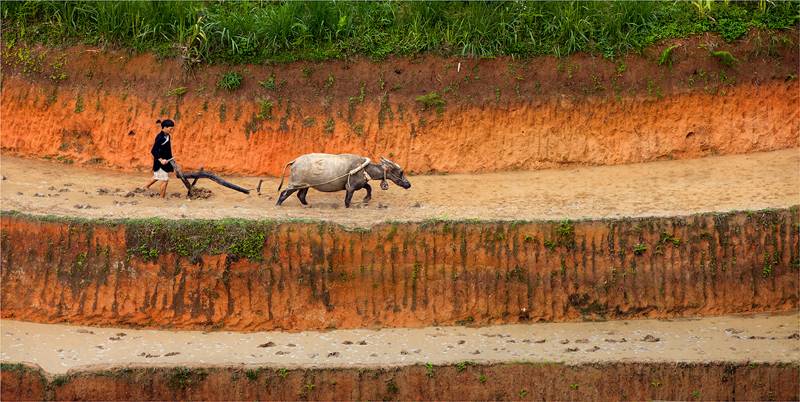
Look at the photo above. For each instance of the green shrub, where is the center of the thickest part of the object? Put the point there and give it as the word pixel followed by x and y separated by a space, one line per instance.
pixel 432 100
pixel 230 81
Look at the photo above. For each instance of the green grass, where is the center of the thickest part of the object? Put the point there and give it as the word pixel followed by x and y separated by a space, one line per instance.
pixel 178 92
pixel 255 31
pixel 432 100
pixel 264 109
pixel 725 58
pixel 666 56
pixel 230 81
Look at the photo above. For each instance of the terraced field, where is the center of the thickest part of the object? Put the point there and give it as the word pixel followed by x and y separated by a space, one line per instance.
pixel 577 228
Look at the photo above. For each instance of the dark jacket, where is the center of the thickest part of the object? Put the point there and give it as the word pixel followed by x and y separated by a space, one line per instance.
pixel 162 149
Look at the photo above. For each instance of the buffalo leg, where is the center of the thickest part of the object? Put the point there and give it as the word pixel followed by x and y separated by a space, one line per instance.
pixel 301 195
pixel 284 195
pixel 348 198
pixel 369 192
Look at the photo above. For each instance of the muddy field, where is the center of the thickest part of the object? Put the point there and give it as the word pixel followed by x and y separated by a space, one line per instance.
pixel 746 357
pixel 669 188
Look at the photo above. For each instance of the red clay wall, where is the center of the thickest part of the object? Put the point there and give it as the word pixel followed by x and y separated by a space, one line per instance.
pixel 317 276
pixel 515 381
pixel 501 114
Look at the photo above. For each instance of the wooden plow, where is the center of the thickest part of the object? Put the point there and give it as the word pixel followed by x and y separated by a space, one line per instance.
pixel 201 174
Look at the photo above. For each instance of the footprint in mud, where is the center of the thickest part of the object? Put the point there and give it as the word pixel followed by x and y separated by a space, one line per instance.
pixel 622 340
pixel 571 349
pixel 267 345
pixel 564 341
pixel 461 342
pixel 84 331
pixel 172 354
pixel 333 354
pixel 347 343
pixel 593 349
pixel 582 340
pixel 650 338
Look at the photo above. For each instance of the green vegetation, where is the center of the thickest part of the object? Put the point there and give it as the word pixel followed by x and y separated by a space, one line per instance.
pixel 666 56
pixel 79 104
pixel 264 109
pixel 183 377
pixel 725 58
pixel 432 100
pixel 429 370
pixel 178 92
pixel 251 31
pixel 149 238
pixel 230 81
pixel 269 83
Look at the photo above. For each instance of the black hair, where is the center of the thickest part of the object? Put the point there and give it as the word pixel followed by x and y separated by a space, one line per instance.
pixel 166 123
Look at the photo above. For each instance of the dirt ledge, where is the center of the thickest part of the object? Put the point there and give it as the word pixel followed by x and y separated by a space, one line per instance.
pixel 512 381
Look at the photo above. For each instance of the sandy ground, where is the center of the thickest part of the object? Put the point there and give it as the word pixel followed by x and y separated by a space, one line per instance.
pixel 753 181
pixel 758 338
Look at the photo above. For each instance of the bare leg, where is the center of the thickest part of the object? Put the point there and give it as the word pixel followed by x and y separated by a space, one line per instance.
pixel 164 189
pixel 284 195
pixel 151 183
pixel 348 198
pixel 369 192
pixel 302 196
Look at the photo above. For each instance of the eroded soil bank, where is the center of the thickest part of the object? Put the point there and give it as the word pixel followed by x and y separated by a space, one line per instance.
pixel 511 381
pixel 259 275
pixel 85 105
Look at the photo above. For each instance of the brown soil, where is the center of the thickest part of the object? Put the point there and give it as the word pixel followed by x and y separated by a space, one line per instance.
pixel 316 275
pixel 668 188
pixel 500 114
pixel 610 381
pixel 61 349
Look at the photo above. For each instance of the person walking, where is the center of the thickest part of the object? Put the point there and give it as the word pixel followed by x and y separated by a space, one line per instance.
pixel 162 154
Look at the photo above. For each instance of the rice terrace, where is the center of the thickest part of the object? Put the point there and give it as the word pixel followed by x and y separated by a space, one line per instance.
pixel 249 200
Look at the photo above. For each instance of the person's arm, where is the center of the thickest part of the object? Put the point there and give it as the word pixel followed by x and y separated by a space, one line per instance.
pixel 156 147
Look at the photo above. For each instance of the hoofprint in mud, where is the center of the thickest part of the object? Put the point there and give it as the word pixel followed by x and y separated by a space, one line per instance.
pixel 331 173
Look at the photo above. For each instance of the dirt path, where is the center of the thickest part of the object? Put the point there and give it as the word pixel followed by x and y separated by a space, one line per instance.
pixel 758 338
pixel 754 181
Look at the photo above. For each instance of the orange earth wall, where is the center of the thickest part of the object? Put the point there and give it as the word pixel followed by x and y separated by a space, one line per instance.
pixel 516 381
pixel 318 276
pixel 85 105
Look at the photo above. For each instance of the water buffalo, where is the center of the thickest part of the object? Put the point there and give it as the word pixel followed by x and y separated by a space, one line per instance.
pixel 329 173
